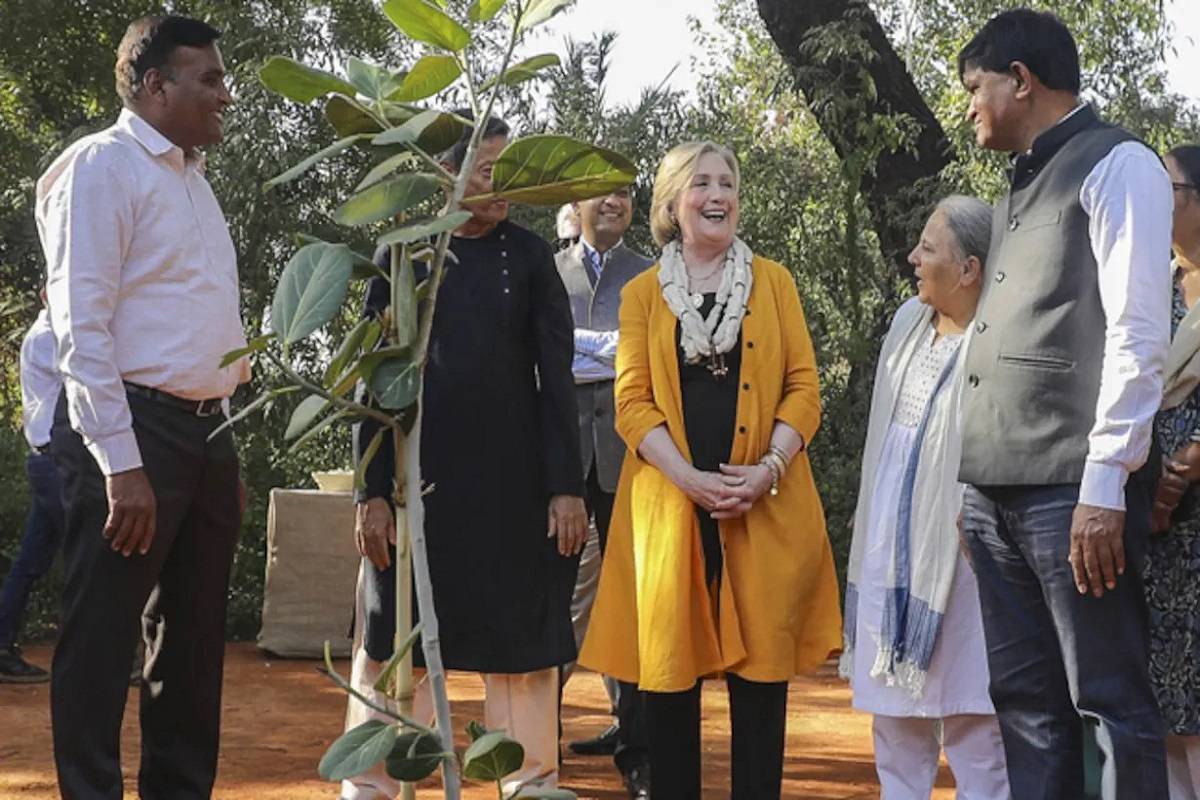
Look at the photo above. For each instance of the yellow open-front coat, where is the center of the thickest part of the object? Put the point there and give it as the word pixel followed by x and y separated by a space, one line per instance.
pixel 778 611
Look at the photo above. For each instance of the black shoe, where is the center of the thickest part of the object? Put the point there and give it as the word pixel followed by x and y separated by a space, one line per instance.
pixel 14 669
pixel 637 781
pixel 603 745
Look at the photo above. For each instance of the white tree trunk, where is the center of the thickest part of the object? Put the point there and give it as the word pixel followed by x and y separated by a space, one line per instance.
pixel 430 641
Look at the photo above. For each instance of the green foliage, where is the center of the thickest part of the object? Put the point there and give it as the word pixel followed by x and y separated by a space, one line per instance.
pixel 358 750
pixel 548 170
pixel 414 756
pixel 492 756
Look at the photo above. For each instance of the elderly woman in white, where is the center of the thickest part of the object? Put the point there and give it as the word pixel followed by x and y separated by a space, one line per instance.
pixel 914 649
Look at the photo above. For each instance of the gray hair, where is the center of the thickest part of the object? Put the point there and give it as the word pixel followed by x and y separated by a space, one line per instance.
pixel 970 221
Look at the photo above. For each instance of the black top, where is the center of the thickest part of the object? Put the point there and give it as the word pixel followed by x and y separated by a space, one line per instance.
pixel 709 401
pixel 500 436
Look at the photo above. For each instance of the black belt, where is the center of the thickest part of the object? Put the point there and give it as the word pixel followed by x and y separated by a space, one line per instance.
pixel 200 408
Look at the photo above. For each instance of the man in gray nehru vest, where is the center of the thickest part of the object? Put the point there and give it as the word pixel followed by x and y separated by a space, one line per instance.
pixel 594 270
pixel 1064 375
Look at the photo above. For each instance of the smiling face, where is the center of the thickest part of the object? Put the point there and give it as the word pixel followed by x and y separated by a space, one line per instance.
pixel 189 96
pixel 486 212
pixel 937 264
pixel 993 108
pixel 707 208
pixel 604 220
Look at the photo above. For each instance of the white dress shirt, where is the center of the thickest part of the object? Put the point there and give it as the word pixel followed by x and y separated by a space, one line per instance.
pixel 142 281
pixel 595 351
pixel 1128 200
pixel 40 382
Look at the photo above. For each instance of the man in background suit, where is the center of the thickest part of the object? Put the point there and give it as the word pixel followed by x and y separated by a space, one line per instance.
pixel 594 270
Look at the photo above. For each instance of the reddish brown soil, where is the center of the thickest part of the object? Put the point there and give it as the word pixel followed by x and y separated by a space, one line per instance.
pixel 280 715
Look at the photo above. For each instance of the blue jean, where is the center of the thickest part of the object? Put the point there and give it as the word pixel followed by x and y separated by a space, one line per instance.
pixel 43 535
pixel 1056 656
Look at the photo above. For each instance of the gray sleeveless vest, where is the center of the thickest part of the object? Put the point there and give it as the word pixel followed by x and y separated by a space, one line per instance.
pixel 1033 367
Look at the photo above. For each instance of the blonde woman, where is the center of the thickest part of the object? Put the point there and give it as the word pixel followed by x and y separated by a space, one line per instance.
pixel 717 547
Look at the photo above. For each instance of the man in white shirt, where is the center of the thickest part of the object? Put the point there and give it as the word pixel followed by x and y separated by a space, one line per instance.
pixel 1064 376
pixel 40 388
pixel 143 291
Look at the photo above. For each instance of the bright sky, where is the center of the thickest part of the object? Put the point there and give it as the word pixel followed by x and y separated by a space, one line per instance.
pixel 653 37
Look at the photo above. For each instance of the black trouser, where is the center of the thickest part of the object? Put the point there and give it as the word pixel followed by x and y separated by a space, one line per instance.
pixel 758 713
pixel 632 748
pixel 178 593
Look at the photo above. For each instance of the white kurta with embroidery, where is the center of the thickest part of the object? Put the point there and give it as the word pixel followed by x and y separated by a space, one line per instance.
pixel 957 679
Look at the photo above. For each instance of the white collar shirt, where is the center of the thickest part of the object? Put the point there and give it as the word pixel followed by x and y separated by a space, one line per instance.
pixel 40 382
pixel 142 281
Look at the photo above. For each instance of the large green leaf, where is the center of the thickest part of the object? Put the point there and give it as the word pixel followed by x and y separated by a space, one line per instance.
pixel 367 364
pixel 427 77
pixel 357 750
pixel 371 80
pixel 414 757
pixel 300 82
pixel 315 158
pixel 311 289
pixel 348 351
pixel 492 756
pixel 484 10
pixel 421 229
pixel 348 116
pixel 395 384
pixel 551 170
pixel 524 71
pixel 538 11
pixel 404 301
pixel 387 199
pixel 432 131
pixel 427 23
pixel 308 410
pixel 385 168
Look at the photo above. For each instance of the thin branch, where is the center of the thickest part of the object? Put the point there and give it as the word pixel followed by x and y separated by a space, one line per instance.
pixel 317 389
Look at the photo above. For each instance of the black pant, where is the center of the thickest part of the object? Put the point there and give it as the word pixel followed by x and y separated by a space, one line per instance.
pixel 758 713
pixel 632 748
pixel 178 593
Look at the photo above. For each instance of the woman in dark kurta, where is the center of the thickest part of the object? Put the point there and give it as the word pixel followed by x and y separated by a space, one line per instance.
pixel 500 454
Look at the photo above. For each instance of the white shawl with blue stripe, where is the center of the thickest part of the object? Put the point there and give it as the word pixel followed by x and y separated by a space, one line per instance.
pixel 923 561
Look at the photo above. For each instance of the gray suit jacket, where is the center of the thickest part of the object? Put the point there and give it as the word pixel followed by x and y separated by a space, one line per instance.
pixel 596 309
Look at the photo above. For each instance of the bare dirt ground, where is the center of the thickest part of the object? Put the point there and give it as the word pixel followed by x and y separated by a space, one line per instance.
pixel 280 715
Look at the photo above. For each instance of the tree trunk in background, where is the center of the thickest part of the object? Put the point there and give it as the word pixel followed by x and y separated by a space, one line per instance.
pixel 897 184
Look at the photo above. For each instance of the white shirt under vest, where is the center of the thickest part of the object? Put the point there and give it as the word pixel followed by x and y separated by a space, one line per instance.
pixel 142 281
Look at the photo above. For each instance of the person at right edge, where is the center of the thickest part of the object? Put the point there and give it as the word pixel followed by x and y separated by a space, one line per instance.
pixel 1172 574
pixel 1064 376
